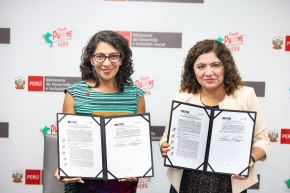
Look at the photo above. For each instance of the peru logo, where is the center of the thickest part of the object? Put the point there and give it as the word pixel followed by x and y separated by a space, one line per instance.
pixel 33 176
pixel 285 136
pixel 52 130
pixel 35 83
pixel 146 84
pixel 233 40
pixel 287 43
pixel 59 37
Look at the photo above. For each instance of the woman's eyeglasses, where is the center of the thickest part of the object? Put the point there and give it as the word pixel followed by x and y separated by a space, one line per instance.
pixel 102 57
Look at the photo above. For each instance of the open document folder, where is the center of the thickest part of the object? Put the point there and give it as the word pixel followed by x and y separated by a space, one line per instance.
pixel 104 147
pixel 210 139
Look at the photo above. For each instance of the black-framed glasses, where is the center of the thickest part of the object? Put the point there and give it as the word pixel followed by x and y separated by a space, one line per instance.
pixel 102 57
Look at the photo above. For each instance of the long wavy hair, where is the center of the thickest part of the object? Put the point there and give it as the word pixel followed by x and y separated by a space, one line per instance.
pixel 123 77
pixel 232 79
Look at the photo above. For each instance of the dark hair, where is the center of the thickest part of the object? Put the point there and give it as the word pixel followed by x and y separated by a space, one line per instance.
pixel 123 77
pixel 232 79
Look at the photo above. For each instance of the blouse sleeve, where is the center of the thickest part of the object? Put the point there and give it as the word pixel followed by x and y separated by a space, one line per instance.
pixel 139 93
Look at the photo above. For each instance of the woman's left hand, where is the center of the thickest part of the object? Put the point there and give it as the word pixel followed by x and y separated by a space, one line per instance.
pixel 237 176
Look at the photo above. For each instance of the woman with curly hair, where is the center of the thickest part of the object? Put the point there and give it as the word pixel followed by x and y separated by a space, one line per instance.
pixel 106 88
pixel 210 78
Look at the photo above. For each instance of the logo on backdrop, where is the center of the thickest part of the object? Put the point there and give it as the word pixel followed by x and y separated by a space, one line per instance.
pixel 59 37
pixel 277 42
pixel 58 84
pixel 35 83
pixel 4 35
pixel 146 84
pixel 52 130
pixel 287 43
pixel 143 183
pixel 259 87
pixel 50 83
pixel 126 35
pixel 156 39
pixel 153 39
pixel 4 129
pixel 285 136
pixel 273 135
pixel 33 176
pixel 17 176
pixel 287 182
pixel 233 41
pixel 19 83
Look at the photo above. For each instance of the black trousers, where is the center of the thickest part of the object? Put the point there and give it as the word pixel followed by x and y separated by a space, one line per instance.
pixel 172 190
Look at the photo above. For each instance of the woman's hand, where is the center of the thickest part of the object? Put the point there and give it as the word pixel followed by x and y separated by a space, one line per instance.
pixel 164 148
pixel 67 180
pixel 237 176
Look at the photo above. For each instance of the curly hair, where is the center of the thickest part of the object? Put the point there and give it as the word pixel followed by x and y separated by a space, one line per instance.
pixel 123 77
pixel 232 79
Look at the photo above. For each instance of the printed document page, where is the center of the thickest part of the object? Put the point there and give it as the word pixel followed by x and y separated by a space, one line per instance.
pixel 188 136
pixel 231 141
pixel 80 153
pixel 128 147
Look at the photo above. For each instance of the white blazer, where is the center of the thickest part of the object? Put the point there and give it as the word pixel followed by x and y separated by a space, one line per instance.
pixel 243 99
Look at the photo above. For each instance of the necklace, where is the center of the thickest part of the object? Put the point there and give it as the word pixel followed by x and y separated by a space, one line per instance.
pixel 211 102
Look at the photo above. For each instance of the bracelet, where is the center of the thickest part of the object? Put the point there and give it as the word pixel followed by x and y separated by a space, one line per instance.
pixel 253 159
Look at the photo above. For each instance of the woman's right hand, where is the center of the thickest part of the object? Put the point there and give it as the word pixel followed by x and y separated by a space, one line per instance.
pixel 67 180
pixel 164 148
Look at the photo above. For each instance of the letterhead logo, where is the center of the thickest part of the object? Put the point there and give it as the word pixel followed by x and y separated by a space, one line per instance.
pixel 146 84
pixel 277 42
pixel 287 43
pixel 35 83
pixel 285 136
pixel 33 177
pixel 58 38
pixel 19 83
pixel 233 41
pixel 17 176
